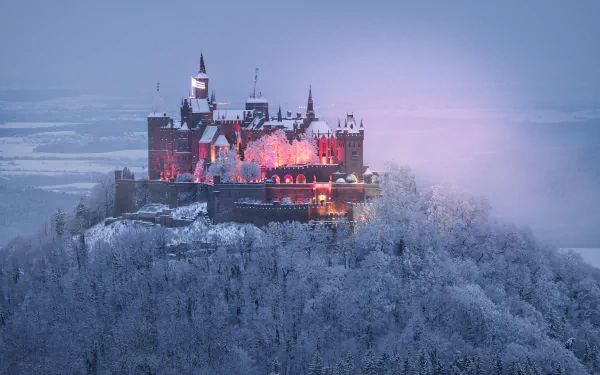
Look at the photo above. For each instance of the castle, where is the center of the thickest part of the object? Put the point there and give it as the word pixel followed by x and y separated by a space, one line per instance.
pixel 312 191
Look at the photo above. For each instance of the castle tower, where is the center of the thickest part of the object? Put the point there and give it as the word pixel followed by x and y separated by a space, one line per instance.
pixel 310 111
pixel 350 147
pixel 157 119
pixel 200 82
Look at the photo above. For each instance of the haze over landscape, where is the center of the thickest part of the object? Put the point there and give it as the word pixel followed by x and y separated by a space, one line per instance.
pixel 456 232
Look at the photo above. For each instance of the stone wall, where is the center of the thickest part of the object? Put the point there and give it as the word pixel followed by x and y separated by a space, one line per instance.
pixel 131 195
pixel 257 203
pixel 320 171
pixel 263 214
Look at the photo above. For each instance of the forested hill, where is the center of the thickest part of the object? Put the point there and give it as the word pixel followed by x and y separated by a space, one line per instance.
pixel 430 283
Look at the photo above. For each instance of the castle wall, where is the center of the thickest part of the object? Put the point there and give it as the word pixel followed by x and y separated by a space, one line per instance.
pixel 131 195
pixel 348 192
pixel 221 207
pixel 257 203
pixel 320 171
pixel 263 214
pixel 298 193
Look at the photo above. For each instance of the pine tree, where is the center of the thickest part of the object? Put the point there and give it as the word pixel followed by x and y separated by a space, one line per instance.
pixel 498 365
pixel 59 222
pixel 349 364
pixel 275 368
pixel 384 364
pixel 559 370
pixel 316 366
pixel 406 368
pixel 370 363
pixel 424 364
pixel 591 353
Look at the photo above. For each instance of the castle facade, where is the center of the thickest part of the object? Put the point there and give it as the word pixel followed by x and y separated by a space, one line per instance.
pixel 327 190
pixel 203 129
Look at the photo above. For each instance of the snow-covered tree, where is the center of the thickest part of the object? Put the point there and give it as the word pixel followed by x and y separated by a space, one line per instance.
pixel 250 171
pixel 432 277
pixel 271 150
pixel 304 150
pixel 227 165
pixel 199 173
pixel 59 222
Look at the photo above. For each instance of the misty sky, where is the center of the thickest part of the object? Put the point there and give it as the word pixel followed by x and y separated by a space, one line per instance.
pixel 455 89
pixel 493 54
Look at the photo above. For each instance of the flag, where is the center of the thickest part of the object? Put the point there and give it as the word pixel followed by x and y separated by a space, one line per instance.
pixel 198 84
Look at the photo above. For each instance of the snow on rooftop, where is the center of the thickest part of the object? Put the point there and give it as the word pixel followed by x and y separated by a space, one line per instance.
pixel 201 75
pixel 157 114
pixel 288 124
pixel 221 141
pixel 257 100
pixel 368 172
pixel 208 134
pixel 229 114
pixel 352 126
pixel 319 127
pixel 184 126
pixel 200 105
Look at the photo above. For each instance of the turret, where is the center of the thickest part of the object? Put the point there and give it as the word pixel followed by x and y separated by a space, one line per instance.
pixel 350 146
pixel 310 111
pixel 213 101
pixel 200 82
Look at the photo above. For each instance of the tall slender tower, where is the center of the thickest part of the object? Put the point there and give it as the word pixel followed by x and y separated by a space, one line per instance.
pixel 200 82
pixel 310 111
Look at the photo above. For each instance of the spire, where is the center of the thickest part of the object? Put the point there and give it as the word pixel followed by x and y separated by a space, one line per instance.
pixel 212 97
pixel 339 124
pixel 279 117
pixel 309 107
pixel 346 123
pixel 201 67
pixel 361 125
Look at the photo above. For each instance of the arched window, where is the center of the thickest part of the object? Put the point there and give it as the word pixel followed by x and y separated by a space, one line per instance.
pixel 288 179
pixel 301 179
pixel 354 155
pixel 275 179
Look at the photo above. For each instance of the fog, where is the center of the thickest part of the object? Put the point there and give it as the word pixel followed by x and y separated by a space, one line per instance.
pixel 500 99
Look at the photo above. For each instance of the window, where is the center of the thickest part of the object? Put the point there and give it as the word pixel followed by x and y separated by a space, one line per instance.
pixel 354 155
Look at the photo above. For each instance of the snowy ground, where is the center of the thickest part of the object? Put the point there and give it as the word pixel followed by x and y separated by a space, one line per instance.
pixel 189 212
pixel 18 157
pixel 27 125
pixel 74 188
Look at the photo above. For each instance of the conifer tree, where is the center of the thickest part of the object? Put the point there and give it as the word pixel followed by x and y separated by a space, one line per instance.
pixel 59 222
pixel 316 365
pixel 370 363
